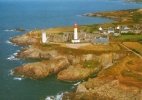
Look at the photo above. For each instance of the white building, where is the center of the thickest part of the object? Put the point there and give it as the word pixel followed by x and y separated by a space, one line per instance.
pixel 118 27
pixel 110 30
pixel 75 35
pixel 100 28
pixel 125 29
pixel 44 38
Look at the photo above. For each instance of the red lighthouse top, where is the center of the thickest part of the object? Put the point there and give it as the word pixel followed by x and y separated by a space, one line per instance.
pixel 75 25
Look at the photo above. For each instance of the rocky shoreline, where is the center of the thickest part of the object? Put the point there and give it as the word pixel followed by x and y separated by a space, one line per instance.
pixel 111 84
pixel 119 72
pixel 76 66
pixel 42 69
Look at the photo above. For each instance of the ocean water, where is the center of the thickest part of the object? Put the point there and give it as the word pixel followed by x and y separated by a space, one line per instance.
pixel 38 14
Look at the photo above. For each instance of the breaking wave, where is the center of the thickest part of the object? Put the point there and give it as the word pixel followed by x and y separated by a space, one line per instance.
pixel 11 72
pixel 18 78
pixel 76 83
pixel 12 57
pixel 11 43
pixel 59 96
pixel 8 42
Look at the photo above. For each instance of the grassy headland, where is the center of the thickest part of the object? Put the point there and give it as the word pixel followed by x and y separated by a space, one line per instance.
pixel 130 17
pixel 119 64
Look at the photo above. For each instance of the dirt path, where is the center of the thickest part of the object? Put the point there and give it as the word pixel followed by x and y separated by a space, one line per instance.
pixel 131 50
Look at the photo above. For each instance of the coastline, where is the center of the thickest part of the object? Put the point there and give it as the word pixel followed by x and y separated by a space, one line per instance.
pixel 104 59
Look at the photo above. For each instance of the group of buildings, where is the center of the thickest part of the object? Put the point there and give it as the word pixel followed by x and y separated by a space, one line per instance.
pixel 120 30
pixel 97 39
pixel 73 37
pixel 76 37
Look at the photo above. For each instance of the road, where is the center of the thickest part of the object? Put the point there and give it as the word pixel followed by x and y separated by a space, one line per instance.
pixel 131 50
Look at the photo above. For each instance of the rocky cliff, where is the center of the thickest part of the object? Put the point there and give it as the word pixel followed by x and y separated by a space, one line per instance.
pixel 24 40
pixel 34 52
pixel 119 72
pixel 42 69
pixel 122 81
pixel 77 72
pixel 78 66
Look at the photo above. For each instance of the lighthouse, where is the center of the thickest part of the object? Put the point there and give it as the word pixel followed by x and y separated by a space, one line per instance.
pixel 43 37
pixel 75 35
pixel 75 32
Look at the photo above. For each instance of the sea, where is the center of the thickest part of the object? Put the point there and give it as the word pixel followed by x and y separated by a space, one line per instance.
pixel 39 14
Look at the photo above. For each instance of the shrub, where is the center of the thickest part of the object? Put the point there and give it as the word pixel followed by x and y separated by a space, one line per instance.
pixel 129 33
pixel 90 64
pixel 47 45
pixel 61 33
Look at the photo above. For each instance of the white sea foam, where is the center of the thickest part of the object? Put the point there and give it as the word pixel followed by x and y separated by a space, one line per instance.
pixel 15 54
pixel 11 72
pixel 76 83
pixel 9 30
pixel 50 98
pixel 11 43
pixel 59 96
pixel 8 42
pixel 12 57
pixel 18 78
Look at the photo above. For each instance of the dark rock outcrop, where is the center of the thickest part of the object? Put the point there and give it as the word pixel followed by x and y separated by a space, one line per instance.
pixel 20 29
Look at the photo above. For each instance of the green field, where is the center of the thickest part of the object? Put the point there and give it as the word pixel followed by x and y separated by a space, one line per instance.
pixel 122 38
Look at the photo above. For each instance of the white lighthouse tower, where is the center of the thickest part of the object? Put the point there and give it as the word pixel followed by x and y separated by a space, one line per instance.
pixel 75 34
pixel 44 38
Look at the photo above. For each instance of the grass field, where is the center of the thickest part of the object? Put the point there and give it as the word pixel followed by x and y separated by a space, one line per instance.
pixel 134 46
pixel 54 31
pixel 124 38
pixel 128 71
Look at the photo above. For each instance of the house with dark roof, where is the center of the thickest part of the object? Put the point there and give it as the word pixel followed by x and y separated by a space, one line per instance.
pixel 101 40
pixel 116 32
pixel 104 32
pixel 125 29
pixel 110 30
